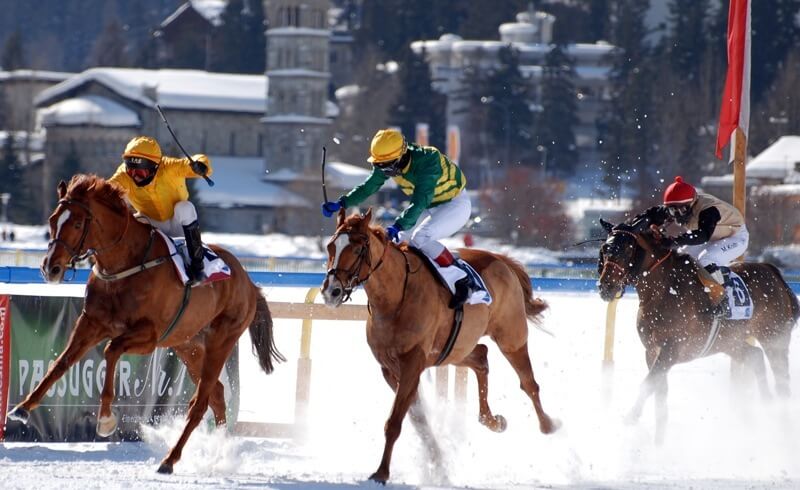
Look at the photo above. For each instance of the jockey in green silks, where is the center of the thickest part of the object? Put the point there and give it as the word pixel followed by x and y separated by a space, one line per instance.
pixel 439 206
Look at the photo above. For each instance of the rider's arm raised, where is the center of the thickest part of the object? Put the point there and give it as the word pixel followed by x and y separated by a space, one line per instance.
pixel 183 167
pixel 365 189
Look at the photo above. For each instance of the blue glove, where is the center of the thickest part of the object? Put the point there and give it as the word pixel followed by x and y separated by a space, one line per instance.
pixel 391 233
pixel 331 207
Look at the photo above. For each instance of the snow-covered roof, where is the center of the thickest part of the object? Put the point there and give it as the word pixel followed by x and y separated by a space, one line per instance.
pixel 778 190
pixel 239 181
pixel 88 109
pixel 338 175
pixel 173 89
pixel 45 76
pixel 778 161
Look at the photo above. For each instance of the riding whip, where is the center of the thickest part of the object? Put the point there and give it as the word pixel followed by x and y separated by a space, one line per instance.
pixel 164 118
pixel 324 191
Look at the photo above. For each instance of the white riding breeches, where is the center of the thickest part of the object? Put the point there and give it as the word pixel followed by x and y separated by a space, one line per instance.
pixel 185 214
pixel 438 222
pixel 720 252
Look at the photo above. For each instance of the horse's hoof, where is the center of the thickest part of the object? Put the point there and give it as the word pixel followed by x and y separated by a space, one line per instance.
pixel 165 469
pixel 19 414
pixel 501 423
pixel 378 479
pixel 106 425
pixel 550 426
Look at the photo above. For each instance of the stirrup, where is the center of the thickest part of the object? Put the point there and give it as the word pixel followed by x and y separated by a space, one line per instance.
pixel 461 294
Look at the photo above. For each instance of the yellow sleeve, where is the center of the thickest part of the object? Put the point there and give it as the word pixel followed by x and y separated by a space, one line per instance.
pixel 180 166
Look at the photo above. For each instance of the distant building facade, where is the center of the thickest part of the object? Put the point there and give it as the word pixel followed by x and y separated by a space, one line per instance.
pixel 531 36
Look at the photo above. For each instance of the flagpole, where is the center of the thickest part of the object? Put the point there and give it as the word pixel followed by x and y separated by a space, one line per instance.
pixel 739 175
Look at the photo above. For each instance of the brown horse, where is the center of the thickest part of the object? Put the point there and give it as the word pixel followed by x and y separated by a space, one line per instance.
pixel 676 323
pixel 409 322
pixel 137 313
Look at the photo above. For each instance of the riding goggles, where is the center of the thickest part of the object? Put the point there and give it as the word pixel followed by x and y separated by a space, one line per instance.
pixel 679 211
pixel 139 167
pixel 392 168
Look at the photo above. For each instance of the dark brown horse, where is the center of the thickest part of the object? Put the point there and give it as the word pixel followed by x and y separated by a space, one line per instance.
pixel 136 313
pixel 410 322
pixel 676 323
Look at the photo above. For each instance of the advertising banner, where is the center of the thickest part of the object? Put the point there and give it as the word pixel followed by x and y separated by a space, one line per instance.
pixel 5 356
pixel 147 388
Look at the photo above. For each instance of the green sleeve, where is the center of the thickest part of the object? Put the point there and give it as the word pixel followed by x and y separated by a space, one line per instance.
pixel 365 189
pixel 425 177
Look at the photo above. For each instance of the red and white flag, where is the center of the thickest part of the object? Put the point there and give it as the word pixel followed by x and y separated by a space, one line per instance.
pixel 734 110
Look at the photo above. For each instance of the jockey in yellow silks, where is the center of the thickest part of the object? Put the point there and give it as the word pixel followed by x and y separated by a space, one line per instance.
pixel 439 206
pixel 155 185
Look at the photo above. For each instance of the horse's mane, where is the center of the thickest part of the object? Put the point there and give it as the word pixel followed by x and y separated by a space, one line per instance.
pixel 90 186
pixel 355 220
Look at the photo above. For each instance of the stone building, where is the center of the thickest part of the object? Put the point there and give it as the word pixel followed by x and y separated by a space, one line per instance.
pixel 19 88
pixel 531 36
pixel 185 38
pixel 96 112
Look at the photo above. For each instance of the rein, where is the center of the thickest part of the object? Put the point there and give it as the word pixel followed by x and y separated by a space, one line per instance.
pixel 638 239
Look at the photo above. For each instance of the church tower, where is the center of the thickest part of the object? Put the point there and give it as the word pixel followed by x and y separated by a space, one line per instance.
pixel 296 126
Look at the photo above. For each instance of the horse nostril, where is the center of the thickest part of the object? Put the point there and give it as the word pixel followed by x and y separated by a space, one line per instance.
pixel 55 270
pixel 336 292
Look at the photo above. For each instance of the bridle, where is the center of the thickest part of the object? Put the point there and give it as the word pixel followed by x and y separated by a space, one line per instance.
pixel 627 276
pixel 353 274
pixel 75 252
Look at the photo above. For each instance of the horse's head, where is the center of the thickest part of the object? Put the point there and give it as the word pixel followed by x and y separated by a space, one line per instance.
pixel 349 258
pixel 628 253
pixel 76 231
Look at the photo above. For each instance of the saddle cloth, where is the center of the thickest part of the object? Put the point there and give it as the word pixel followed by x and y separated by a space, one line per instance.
pixel 739 299
pixel 214 268
pixel 478 296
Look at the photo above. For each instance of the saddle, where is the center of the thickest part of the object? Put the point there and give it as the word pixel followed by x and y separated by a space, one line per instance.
pixel 214 268
pixel 480 295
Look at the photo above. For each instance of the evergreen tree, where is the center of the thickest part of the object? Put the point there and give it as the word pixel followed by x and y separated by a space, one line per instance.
pixel 509 110
pixel 418 102
pixel 11 181
pixel 229 40
pixel 775 32
pixel 111 48
pixel 625 133
pixel 685 45
pixel 4 108
pixel 12 57
pixel 555 126
pixel 483 19
pixel 254 57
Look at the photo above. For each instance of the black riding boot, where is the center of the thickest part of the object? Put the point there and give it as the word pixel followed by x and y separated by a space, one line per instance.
pixel 463 287
pixel 195 249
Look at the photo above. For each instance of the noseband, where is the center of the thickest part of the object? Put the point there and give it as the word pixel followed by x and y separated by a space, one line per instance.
pixel 75 253
pixel 353 273
pixel 627 275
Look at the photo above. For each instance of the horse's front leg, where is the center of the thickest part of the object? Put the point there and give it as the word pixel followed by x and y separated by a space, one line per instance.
pixel 660 361
pixel 140 340
pixel 411 366
pixel 86 334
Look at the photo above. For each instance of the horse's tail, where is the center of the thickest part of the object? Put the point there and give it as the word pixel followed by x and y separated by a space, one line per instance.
pixel 533 306
pixel 261 336
pixel 792 297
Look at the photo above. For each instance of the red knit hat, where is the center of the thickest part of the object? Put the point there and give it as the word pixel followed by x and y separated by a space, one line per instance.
pixel 679 192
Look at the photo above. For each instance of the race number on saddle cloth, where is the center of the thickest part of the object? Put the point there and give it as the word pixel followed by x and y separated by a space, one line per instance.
pixel 214 268
pixel 439 208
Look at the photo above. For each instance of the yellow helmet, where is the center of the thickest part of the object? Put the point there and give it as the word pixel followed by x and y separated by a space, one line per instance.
pixel 387 145
pixel 143 147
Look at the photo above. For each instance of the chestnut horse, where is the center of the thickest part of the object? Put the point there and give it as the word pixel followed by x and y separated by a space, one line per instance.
pixel 675 320
pixel 409 322
pixel 138 313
